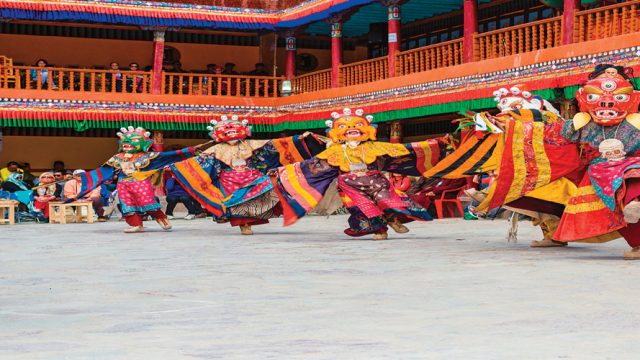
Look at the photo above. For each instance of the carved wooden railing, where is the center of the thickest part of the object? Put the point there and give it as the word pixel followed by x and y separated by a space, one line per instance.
pixel 363 72
pixel 220 85
pixel 80 80
pixel 519 39
pixel 607 21
pixel 313 81
pixel 430 57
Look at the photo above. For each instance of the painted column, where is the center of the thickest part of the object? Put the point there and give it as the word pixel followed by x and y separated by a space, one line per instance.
pixel 336 53
pixel 470 28
pixel 158 58
pixel 395 132
pixel 290 46
pixel 568 20
pixel 158 141
pixel 394 37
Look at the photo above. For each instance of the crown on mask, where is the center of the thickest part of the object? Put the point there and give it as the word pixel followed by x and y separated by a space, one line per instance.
pixel 346 112
pixel 128 131
pixel 514 91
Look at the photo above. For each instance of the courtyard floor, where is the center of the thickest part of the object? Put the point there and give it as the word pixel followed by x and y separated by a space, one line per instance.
pixel 449 289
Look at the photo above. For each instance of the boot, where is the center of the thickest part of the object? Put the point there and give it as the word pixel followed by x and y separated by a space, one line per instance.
pixel 548 224
pixel 381 236
pixel 134 229
pixel 633 254
pixel 632 212
pixel 398 227
pixel 164 224
pixel 246 230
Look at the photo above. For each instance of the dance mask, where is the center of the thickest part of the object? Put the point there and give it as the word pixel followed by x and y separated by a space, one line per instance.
pixel 351 127
pixel 608 99
pixel 517 98
pixel 229 130
pixel 134 140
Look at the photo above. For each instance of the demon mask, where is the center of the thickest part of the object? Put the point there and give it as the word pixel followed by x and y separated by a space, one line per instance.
pixel 229 130
pixel 134 140
pixel 348 127
pixel 518 98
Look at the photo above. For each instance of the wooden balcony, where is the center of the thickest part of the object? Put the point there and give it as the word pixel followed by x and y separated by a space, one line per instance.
pixel 363 72
pixel 430 57
pixel 607 21
pixel 220 85
pixel 311 82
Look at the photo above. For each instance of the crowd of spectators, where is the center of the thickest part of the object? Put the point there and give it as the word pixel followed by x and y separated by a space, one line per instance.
pixel 58 184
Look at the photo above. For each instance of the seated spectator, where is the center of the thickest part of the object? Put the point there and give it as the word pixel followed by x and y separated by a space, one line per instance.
pixel 14 183
pixel 58 165
pixel 72 189
pixel 229 69
pixel 42 72
pixel 58 176
pixel 259 70
pixel 400 182
pixel 135 79
pixel 425 190
pixel 177 194
pixel 211 69
pixel 47 191
pixel 28 177
pixel 12 167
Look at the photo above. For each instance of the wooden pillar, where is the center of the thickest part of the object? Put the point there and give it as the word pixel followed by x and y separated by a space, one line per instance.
pixel 158 141
pixel 568 20
pixel 568 109
pixel 290 67
pixel 395 132
pixel 158 59
pixel 394 37
pixel 470 28
pixel 336 53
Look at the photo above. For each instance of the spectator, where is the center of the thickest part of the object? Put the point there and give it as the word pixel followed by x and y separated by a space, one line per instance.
pixel 400 182
pixel 58 165
pixel 14 182
pixel 58 176
pixel 12 167
pixel 211 69
pixel 136 79
pixel 426 190
pixel 259 70
pixel 72 189
pixel 46 192
pixel 28 177
pixel 229 69
pixel 41 70
pixel 179 87
pixel 114 76
pixel 177 194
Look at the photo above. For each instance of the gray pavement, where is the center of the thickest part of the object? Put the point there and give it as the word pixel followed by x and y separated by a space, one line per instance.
pixel 449 289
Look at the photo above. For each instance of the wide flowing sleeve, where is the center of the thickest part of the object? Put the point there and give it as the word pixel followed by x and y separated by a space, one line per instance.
pixel 162 159
pixel 302 185
pixel 198 176
pixel 94 178
pixel 289 150
pixel 421 157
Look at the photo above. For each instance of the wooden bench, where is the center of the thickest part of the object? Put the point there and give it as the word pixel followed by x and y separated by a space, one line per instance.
pixel 8 207
pixel 58 212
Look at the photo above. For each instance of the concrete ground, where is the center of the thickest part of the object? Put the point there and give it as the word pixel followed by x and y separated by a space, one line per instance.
pixel 449 289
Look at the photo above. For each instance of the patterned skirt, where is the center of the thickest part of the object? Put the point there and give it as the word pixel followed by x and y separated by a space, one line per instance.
pixel 137 197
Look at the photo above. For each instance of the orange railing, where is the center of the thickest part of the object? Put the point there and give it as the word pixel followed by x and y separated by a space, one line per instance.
pixel 362 72
pixel 80 80
pixel 313 81
pixel 519 39
pixel 220 85
pixel 430 57
pixel 607 21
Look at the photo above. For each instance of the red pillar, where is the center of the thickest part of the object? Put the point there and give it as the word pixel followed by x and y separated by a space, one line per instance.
pixel 470 28
pixel 158 58
pixel 395 132
pixel 568 20
pixel 336 53
pixel 290 68
pixel 394 37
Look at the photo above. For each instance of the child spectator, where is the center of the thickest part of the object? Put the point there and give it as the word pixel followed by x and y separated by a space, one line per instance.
pixel 46 192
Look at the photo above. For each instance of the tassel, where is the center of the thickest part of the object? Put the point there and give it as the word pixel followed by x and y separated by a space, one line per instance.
pixel 513 228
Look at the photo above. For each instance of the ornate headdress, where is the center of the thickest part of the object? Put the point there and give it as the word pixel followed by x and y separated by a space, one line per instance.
pixel 517 97
pixel 133 140
pixel 229 129
pixel 350 126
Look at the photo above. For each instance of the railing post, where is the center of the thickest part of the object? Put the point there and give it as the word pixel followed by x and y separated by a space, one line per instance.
pixel 568 20
pixel 158 59
pixel 470 28
pixel 336 53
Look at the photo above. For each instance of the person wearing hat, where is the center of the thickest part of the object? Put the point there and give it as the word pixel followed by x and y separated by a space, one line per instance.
pixel 72 189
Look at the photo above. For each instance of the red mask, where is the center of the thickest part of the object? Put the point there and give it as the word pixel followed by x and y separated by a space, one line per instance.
pixel 608 99
pixel 229 130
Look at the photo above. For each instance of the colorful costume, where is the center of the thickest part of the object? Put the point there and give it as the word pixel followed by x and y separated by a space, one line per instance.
pixel 606 205
pixel 536 167
pixel 230 179
pixel 357 162
pixel 134 166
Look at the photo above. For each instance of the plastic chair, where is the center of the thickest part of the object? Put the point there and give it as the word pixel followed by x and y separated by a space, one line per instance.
pixel 453 203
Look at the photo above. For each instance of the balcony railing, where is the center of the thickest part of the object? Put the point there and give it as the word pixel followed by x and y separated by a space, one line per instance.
pixel 363 72
pixel 79 80
pixel 220 85
pixel 607 21
pixel 430 57
pixel 313 81
pixel 519 39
